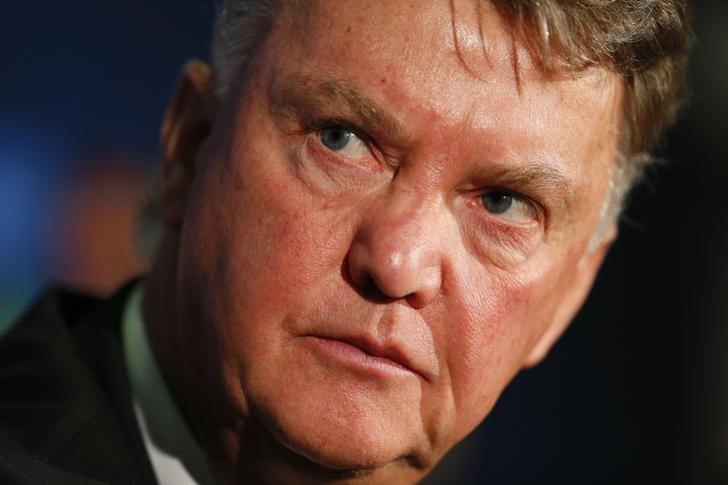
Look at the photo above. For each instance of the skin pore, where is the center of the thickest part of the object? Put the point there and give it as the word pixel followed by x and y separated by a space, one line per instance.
pixel 367 240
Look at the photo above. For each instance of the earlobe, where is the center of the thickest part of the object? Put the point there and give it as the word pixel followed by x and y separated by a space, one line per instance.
pixel 187 124
pixel 573 298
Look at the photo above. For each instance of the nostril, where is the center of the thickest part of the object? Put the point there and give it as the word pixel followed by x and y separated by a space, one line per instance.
pixel 363 282
pixel 371 290
pixel 422 298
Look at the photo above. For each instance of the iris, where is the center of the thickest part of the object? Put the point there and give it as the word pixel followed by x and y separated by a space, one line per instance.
pixel 497 201
pixel 335 137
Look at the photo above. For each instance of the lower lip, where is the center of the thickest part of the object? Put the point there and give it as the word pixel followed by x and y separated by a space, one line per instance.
pixel 352 357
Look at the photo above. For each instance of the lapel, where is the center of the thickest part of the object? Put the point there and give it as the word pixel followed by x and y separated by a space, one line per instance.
pixel 65 406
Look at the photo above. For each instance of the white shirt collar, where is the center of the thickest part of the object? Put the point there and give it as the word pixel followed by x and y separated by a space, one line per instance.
pixel 176 457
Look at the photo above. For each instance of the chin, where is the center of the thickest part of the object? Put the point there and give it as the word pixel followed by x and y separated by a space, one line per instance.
pixel 361 443
pixel 373 461
pixel 336 441
pixel 347 452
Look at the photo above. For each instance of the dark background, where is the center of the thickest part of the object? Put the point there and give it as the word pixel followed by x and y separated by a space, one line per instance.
pixel 635 392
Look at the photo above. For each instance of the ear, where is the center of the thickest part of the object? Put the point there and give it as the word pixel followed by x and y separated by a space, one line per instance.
pixel 187 124
pixel 574 297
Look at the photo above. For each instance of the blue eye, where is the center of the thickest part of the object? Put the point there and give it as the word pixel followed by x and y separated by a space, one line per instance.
pixel 342 141
pixel 335 137
pixel 509 205
pixel 497 201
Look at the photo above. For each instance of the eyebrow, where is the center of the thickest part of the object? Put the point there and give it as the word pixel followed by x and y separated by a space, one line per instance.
pixel 535 175
pixel 312 95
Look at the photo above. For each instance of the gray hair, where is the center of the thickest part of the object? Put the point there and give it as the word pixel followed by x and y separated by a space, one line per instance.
pixel 240 27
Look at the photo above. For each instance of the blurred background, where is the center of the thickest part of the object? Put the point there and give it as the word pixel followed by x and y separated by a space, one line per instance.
pixel 635 392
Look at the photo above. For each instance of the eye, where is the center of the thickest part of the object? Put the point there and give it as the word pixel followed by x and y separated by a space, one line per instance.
pixel 507 205
pixel 343 141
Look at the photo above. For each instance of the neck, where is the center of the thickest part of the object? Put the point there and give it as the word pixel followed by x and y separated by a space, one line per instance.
pixel 159 310
pixel 168 340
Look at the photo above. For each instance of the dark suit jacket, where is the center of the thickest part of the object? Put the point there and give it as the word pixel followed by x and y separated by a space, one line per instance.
pixel 66 416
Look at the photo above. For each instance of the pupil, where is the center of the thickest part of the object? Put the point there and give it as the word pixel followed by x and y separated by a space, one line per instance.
pixel 334 138
pixel 497 202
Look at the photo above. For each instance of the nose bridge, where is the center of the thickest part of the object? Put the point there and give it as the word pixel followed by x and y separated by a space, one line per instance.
pixel 396 250
pixel 401 219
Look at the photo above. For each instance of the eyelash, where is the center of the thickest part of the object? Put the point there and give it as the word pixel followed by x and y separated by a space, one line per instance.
pixel 315 126
pixel 530 203
pixel 532 206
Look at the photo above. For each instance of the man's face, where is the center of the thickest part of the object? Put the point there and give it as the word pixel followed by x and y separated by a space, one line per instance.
pixel 388 221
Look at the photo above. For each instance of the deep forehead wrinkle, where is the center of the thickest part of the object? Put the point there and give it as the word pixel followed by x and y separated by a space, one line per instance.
pixel 313 94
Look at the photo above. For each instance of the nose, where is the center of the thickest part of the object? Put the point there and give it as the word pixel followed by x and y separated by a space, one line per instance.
pixel 396 251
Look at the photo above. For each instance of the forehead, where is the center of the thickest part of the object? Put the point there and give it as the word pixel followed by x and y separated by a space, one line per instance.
pixel 443 67
pixel 456 55
pixel 472 34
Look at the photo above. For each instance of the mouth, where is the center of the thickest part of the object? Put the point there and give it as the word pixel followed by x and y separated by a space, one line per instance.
pixel 360 354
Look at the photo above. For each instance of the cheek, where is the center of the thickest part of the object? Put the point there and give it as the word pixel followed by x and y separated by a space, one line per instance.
pixel 249 262
pixel 496 323
pixel 271 243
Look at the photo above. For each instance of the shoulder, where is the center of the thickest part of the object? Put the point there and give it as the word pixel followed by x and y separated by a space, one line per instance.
pixel 65 405
pixel 41 356
pixel 45 332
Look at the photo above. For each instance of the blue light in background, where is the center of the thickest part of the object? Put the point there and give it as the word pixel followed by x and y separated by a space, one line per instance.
pixel 32 163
